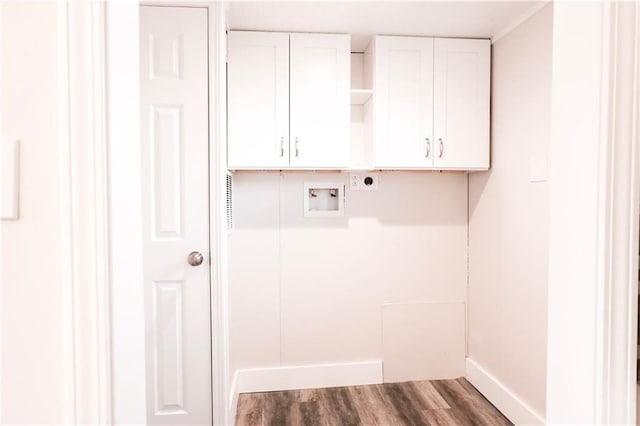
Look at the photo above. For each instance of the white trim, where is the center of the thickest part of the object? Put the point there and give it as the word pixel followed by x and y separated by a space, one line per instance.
pixel 602 270
pixel 66 220
pixel 217 214
pixel 233 399
pixel 308 377
pixel 501 396
pixel 1 312
pixel 519 21
pixel 128 362
pixel 84 227
pixel 620 205
pixel 101 219
pixel 594 214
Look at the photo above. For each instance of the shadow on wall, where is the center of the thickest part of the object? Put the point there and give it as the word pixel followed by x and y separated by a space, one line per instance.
pixel 272 200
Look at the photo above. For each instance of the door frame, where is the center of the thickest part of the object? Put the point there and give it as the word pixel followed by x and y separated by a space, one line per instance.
pixel 618 320
pixel 594 207
pixel 111 388
pixel 127 303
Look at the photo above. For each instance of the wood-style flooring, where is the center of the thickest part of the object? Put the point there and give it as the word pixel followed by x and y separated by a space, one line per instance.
pixel 436 402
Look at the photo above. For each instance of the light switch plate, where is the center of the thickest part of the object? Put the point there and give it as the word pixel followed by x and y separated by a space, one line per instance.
pixel 9 186
pixel 538 168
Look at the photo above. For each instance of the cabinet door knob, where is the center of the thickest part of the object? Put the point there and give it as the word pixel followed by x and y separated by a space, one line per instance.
pixel 428 152
pixel 441 148
pixel 282 146
pixel 296 146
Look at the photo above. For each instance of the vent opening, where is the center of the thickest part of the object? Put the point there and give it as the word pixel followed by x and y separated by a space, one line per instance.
pixel 229 202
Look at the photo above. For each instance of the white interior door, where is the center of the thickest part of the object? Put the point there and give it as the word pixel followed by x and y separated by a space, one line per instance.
pixel 403 102
pixel 258 100
pixel 461 103
pixel 174 129
pixel 320 100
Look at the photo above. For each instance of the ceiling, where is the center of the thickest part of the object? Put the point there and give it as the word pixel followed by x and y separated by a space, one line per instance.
pixel 363 19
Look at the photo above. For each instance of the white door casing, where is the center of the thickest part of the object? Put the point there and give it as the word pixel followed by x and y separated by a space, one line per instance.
pixel 258 100
pixel 175 208
pixel 403 102
pixel 461 103
pixel 320 100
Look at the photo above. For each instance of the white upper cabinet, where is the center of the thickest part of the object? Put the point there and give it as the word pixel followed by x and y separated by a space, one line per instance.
pixel 288 100
pixel 289 103
pixel 403 108
pixel 461 104
pixel 320 101
pixel 431 103
pixel 258 100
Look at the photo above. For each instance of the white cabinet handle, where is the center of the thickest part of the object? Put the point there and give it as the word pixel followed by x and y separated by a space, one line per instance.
pixel 296 146
pixel 441 148
pixel 282 146
pixel 428 153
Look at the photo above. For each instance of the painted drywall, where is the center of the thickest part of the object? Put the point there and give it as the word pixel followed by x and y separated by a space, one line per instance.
pixel 32 312
pixel 309 291
pixel 508 218
pixel 472 19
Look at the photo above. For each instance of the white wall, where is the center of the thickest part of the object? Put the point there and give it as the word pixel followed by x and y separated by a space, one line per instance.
pixel 508 218
pixel 32 285
pixel 311 290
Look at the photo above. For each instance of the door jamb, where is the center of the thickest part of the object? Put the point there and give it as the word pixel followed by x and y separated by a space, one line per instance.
pixel 619 245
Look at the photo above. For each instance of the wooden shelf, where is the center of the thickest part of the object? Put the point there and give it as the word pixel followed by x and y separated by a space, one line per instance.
pixel 360 96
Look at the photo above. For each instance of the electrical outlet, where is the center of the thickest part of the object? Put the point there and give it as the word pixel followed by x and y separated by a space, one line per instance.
pixel 363 181
pixel 369 182
pixel 354 182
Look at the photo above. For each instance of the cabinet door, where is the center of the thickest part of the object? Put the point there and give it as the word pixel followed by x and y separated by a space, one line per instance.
pixel 320 100
pixel 461 103
pixel 258 100
pixel 403 96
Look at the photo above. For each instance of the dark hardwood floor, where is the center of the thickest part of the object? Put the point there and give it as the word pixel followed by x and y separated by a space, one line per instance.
pixel 437 402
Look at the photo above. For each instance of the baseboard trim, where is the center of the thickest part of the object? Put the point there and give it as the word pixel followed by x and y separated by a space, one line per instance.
pixel 502 397
pixel 307 377
pixel 233 400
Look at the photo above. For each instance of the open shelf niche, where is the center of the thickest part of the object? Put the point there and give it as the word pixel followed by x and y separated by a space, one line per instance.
pixel 361 109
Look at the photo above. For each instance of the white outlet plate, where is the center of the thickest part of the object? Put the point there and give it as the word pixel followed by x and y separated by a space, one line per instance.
pixel 357 181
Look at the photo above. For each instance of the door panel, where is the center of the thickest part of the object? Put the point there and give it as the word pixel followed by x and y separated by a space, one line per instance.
pixel 258 100
pixel 461 103
pixel 320 100
pixel 175 205
pixel 166 155
pixel 169 345
pixel 403 102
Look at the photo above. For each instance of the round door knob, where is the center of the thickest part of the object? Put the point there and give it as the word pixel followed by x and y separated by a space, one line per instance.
pixel 195 258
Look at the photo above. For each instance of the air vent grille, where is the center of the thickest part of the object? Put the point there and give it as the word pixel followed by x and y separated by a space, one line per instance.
pixel 229 202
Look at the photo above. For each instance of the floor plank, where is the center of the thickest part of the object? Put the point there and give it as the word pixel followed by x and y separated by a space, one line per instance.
pixel 470 405
pixel 250 409
pixel 438 402
pixel 370 406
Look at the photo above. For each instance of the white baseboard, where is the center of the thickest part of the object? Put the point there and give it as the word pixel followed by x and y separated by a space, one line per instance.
pixel 233 400
pixel 307 377
pixel 504 399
